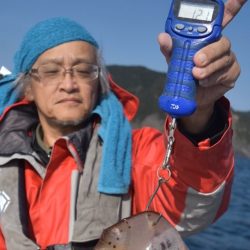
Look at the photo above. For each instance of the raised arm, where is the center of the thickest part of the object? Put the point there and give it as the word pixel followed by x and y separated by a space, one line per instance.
pixel 216 68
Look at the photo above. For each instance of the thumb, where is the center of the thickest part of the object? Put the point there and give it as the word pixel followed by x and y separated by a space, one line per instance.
pixel 232 7
pixel 165 42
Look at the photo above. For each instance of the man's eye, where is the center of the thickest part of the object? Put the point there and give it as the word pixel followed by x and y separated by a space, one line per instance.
pixel 83 71
pixel 51 71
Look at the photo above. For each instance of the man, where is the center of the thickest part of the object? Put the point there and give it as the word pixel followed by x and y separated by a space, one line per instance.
pixel 65 150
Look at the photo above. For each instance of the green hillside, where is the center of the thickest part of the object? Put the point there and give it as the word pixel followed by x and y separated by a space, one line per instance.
pixel 241 139
pixel 148 84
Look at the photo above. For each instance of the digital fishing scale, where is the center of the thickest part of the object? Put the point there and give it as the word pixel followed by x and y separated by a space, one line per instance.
pixel 192 25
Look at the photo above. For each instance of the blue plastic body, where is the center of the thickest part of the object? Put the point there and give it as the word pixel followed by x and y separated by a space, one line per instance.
pixel 189 36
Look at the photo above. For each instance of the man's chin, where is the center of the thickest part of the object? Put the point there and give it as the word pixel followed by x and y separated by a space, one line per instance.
pixel 67 122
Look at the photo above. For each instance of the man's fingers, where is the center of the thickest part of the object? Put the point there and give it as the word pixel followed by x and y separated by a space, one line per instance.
pixel 165 43
pixel 226 76
pixel 224 61
pixel 212 52
pixel 232 7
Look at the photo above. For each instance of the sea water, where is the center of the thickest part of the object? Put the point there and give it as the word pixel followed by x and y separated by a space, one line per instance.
pixel 232 230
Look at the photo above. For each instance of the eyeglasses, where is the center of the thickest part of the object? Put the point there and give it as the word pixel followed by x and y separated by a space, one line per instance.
pixel 52 73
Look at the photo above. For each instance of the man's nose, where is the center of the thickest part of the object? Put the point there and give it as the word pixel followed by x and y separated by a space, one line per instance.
pixel 68 80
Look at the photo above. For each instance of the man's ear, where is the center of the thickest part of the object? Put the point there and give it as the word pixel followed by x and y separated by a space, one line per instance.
pixel 28 93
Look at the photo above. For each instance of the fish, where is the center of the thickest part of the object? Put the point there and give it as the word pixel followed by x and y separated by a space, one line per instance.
pixel 147 230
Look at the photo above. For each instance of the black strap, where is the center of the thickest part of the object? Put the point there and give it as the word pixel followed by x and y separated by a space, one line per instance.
pixel 75 246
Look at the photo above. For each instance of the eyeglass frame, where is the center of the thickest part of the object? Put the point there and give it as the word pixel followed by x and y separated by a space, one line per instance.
pixel 71 70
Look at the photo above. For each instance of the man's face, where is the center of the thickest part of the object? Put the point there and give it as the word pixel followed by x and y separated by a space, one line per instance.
pixel 69 100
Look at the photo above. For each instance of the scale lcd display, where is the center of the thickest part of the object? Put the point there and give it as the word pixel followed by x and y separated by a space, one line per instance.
pixel 196 11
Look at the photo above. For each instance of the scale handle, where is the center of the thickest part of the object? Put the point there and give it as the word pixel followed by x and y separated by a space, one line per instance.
pixel 178 97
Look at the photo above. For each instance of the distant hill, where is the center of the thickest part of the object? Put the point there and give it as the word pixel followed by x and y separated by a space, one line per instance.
pixel 148 84
pixel 241 139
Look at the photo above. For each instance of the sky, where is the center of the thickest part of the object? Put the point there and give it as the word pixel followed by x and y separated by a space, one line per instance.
pixel 126 31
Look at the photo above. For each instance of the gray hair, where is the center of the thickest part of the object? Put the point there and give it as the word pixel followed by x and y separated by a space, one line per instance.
pixel 23 79
pixel 103 75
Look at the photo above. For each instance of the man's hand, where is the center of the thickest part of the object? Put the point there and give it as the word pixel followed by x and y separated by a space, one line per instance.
pixel 216 68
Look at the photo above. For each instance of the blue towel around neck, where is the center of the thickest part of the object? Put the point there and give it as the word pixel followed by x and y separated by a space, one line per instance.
pixel 115 131
pixel 9 92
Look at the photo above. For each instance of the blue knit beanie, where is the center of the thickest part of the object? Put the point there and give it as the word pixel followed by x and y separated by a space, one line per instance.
pixel 45 35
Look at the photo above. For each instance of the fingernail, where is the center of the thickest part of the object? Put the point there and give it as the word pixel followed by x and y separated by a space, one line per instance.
pixel 200 72
pixel 202 58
